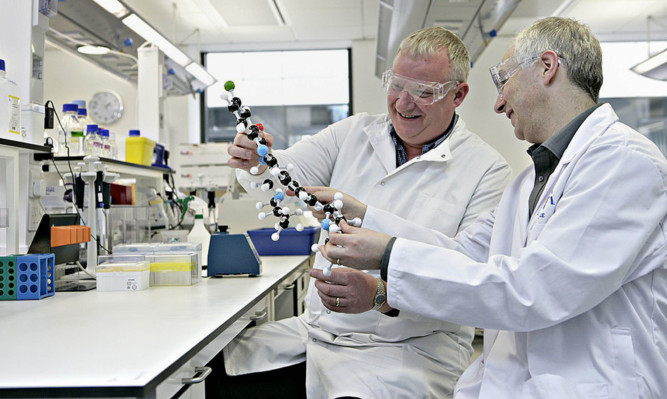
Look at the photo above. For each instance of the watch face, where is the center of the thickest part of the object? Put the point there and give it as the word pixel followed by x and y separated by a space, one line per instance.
pixel 106 107
pixel 380 299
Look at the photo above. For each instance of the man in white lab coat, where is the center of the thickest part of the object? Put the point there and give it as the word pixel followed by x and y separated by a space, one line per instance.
pixel 568 275
pixel 418 162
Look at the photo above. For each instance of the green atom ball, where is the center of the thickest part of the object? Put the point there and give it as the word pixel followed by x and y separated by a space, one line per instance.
pixel 229 85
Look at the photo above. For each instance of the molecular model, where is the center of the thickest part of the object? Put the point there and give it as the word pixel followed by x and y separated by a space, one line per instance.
pixel 332 211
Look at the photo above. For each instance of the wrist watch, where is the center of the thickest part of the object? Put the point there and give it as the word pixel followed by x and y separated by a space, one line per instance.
pixel 380 296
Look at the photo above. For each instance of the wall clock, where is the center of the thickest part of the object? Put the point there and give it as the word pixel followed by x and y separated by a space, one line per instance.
pixel 106 107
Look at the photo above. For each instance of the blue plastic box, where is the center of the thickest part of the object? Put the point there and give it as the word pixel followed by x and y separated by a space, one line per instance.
pixel 291 242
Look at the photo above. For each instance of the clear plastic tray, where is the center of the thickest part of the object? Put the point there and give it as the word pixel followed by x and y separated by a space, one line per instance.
pixel 178 268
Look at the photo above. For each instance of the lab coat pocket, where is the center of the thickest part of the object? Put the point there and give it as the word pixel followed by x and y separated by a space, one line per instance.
pixel 437 213
pixel 624 363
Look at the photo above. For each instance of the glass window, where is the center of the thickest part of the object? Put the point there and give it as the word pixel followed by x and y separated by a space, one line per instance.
pixel 647 115
pixel 292 93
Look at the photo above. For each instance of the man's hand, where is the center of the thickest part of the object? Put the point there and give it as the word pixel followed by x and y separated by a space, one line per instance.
pixel 356 247
pixel 352 208
pixel 244 152
pixel 354 289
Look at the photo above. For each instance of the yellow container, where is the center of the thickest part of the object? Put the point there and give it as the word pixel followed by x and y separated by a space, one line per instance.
pixel 139 150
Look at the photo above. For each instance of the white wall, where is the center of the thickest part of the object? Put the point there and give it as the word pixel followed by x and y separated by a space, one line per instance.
pixel 477 109
pixel 367 93
pixel 68 77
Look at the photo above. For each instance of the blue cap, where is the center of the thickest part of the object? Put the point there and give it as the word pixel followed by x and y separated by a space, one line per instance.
pixel 80 103
pixel 105 132
pixel 70 107
pixel 2 65
pixel 92 128
pixel 135 132
pixel 83 111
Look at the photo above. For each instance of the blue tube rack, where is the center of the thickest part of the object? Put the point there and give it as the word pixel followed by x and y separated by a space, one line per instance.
pixel 24 277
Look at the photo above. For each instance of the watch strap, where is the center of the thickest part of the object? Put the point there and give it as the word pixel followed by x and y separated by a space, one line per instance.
pixel 380 295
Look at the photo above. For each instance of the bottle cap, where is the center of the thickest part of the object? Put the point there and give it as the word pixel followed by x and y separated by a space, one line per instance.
pixel 135 132
pixel 80 103
pixel 105 132
pixel 92 128
pixel 2 65
pixel 199 216
pixel 83 111
pixel 70 107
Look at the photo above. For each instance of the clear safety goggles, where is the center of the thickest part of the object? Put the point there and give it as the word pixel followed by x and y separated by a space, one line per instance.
pixel 503 71
pixel 422 93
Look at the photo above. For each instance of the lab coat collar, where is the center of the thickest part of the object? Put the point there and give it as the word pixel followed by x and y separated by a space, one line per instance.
pixel 380 139
pixel 596 124
pixel 592 128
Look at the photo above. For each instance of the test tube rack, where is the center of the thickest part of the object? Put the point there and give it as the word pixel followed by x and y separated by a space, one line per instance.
pixel 24 277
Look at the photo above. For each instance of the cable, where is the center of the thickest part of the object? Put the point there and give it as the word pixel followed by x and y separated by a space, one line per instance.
pixel 69 164
pixel 85 271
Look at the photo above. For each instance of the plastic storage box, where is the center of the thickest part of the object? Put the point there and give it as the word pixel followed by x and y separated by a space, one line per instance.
pixel 176 268
pixel 139 150
pixel 291 242
pixel 172 249
pixel 123 276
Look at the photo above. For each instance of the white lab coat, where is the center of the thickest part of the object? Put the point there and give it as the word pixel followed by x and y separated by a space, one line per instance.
pixel 574 300
pixel 373 355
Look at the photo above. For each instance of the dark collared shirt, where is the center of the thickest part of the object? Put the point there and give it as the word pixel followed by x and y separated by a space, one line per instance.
pixel 547 155
pixel 402 154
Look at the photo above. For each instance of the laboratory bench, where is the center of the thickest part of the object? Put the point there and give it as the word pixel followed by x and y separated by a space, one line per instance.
pixel 153 343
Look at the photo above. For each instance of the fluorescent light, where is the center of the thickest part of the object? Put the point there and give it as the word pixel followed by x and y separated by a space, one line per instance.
pixel 654 67
pixel 115 7
pixel 147 32
pixel 200 73
pixel 93 50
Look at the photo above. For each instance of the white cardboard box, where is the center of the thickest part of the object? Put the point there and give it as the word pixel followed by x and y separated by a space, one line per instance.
pixel 123 276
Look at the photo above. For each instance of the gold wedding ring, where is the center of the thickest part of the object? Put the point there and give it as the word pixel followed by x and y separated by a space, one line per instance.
pixel 337 301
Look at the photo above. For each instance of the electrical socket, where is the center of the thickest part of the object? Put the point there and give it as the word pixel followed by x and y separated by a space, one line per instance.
pixel 34 215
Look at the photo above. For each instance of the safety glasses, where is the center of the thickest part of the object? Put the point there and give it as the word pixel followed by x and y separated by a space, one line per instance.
pixel 422 93
pixel 503 71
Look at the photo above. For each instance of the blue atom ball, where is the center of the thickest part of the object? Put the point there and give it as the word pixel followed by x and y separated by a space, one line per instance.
pixel 262 150
pixel 325 224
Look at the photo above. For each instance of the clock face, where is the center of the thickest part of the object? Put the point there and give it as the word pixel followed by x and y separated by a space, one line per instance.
pixel 106 107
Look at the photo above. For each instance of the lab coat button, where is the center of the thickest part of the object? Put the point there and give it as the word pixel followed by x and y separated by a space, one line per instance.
pixel 382 183
pixel 328 311
pixel 541 178
pixel 314 339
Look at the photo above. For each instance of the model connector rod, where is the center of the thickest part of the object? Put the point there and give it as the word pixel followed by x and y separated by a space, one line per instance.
pixel 333 211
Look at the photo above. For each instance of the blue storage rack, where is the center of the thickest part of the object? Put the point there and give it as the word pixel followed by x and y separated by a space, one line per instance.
pixel 25 277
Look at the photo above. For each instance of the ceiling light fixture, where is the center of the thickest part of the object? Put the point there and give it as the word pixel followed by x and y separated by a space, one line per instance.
pixel 200 73
pixel 115 7
pixel 655 67
pixel 93 50
pixel 143 29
